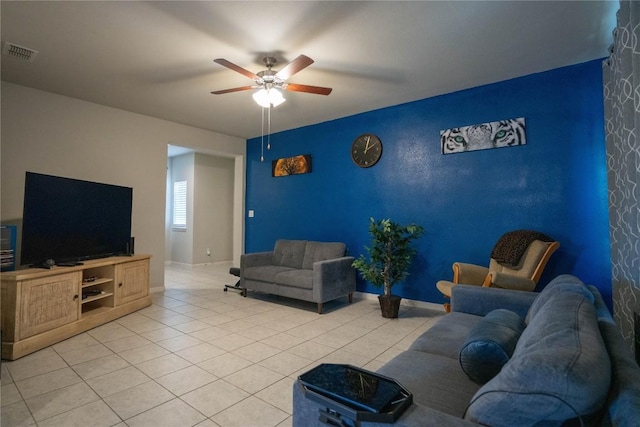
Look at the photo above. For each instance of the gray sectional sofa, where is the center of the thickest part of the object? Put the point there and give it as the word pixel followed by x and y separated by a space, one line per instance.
pixel 565 364
pixel 305 270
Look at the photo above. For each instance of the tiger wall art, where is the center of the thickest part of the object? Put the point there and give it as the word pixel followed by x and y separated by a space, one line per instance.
pixel 503 133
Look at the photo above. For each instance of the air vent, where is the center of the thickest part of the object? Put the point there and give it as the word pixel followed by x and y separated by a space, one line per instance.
pixel 19 52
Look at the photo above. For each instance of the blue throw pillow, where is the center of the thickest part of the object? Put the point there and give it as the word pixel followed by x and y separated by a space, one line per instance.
pixel 490 344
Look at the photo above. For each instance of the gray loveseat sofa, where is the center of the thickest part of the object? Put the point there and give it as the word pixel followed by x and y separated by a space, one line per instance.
pixel 569 365
pixel 305 270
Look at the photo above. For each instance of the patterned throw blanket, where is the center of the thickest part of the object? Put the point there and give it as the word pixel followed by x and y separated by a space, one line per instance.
pixel 512 245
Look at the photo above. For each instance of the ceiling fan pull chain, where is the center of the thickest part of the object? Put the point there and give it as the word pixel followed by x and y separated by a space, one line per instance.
pixel 262 139
pixel 269 131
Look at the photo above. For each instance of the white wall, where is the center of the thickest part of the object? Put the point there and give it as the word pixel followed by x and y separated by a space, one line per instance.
pixel 213 209
pixel 52 134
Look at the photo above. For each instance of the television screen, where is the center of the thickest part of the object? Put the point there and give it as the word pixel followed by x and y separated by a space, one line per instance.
pixel 70 220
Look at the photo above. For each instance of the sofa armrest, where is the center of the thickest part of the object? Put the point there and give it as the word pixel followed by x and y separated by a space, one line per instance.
pixel 623 400
pixel 469 274
pixel 509 281
pixel 255 259
pixel 333 278
pixel 480 301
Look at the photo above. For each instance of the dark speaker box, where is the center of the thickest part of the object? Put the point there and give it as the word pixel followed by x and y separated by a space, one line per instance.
pixel 130 246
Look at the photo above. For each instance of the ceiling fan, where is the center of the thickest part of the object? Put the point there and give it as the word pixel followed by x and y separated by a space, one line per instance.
pixel 270 79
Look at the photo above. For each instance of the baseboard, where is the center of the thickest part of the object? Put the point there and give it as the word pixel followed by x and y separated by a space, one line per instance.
pixel 362 295
pixel 184 264
pixel 405 301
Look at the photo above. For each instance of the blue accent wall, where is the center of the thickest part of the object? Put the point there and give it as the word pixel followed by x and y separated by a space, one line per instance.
pixel 555 184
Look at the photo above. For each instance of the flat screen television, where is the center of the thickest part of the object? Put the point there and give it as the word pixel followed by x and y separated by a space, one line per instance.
pixel 70 220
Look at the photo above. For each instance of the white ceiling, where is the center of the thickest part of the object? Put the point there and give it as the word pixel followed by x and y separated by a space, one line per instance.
pixel 156 58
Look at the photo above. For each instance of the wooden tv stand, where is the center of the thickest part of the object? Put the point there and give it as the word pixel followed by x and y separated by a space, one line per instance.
pixel 41 307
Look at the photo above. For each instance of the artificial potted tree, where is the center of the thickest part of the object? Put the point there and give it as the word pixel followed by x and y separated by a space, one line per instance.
pixel 388 261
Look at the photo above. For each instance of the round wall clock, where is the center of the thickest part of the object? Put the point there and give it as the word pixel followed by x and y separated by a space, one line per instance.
pixel 366 150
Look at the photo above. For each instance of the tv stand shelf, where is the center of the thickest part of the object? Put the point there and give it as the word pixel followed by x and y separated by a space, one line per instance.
pixel 101 295
pixel 41 307
pixel 98 281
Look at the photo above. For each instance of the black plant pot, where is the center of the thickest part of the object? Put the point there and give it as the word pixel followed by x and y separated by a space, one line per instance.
pixel 389 305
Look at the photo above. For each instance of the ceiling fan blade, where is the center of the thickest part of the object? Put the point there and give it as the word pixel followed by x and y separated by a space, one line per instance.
pixel 236 68
pixel 309 89
pixel 298 64
pixel 235 89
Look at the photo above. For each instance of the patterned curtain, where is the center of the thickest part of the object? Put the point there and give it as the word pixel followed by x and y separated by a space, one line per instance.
pixel 621 72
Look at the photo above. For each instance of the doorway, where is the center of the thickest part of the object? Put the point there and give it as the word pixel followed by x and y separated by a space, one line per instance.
pixel 209 234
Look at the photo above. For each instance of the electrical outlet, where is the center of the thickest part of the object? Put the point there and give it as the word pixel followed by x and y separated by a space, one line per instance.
pixel 208 252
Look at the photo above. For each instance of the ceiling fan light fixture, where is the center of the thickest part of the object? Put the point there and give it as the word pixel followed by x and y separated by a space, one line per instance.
pixel 268 98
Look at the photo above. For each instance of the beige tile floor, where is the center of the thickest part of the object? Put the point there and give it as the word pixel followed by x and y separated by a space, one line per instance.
pixel 199 357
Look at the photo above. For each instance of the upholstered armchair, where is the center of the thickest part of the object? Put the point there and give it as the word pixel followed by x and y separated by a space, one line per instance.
pixel 517 262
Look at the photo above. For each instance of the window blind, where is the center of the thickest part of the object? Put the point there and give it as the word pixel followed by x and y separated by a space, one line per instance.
pixel 180 204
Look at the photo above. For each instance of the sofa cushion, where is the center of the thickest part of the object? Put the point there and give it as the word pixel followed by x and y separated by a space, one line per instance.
pixel 321 251
pixel 264 273
pixel 435 381
pixel 296 278
pixel 562 283
pixel 289 253
pixel 559 370
pixel 490 344
pixel 446 336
